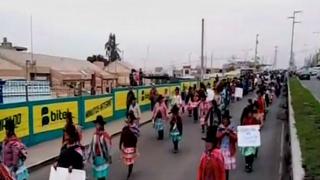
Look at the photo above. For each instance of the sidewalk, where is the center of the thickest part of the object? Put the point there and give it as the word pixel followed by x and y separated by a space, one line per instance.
pixel 47 151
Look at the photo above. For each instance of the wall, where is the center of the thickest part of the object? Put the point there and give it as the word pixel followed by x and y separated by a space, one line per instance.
pixel 39 121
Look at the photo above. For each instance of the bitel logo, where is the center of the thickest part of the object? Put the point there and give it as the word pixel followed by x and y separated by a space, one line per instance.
pixel 48 116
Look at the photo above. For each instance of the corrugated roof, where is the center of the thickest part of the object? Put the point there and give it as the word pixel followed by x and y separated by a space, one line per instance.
pixel 59 64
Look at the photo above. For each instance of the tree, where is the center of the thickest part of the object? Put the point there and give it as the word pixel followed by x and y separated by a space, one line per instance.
pixel 112 50
pixel 98 58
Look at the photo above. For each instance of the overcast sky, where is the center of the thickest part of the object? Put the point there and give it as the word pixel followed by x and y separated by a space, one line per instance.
pixel 170 28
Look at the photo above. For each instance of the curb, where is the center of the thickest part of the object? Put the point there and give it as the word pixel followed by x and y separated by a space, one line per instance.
pixel 297 170
pixel 51 160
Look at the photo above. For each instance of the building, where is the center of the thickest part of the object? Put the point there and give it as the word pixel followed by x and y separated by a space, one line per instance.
pixel 66 75
pixel 5 44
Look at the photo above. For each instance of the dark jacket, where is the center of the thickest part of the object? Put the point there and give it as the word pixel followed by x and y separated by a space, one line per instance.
pixel 128 138
pixel 214 112
pixel 130 97
pixel 71 157
pixel 176 120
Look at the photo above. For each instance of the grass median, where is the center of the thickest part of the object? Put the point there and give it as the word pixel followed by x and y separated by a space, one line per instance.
pixel 307 116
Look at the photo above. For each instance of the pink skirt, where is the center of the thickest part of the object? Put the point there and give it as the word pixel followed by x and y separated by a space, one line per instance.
pixel 129 155
pixel 229 161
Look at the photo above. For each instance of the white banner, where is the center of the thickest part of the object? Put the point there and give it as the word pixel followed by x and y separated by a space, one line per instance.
pixel 249 136
pixel 63 174
pixel 238 92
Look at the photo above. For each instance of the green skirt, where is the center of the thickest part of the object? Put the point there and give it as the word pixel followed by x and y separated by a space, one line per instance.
pixel 247 151
pixel 100 168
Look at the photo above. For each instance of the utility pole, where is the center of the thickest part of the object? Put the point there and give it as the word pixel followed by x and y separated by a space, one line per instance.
pixel 292 65
pixel 275 58
pixel 256 52
pixel 202 44
pixel 211 61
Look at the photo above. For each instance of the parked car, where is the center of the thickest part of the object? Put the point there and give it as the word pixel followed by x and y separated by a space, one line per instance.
pixel 305 75
pixel 314 71
pixel 318 75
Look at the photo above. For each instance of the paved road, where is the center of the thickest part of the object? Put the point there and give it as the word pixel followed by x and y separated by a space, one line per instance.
pixel 158 163
pixel 313 85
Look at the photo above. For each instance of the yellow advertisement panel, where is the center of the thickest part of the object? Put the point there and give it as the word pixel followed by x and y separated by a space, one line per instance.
pixel 121 99
pixel 173 90
pixel 185 85
pixel 99 106
pixel 48 117
pixel 163 90
pixel 144 96
pixel 20 116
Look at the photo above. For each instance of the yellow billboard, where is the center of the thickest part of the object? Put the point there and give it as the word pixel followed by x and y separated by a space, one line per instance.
pixel 144 96
pixel 163 90
pixel 48 117
pixel 185 85
pixel 99 106
pixel 20 116
pixel 121 99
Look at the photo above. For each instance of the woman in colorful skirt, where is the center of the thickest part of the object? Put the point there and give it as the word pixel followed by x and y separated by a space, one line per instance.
pixel 175 128
pixel 128 145
pixel 160 114
pixel 227 139
pixel 100 150
pixel 249 152
pixel 14 153
pixel 204 107
pixel 193 106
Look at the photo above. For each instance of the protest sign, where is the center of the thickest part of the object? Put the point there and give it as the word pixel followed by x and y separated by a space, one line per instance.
pixel 249 136
pixel 238 93
pixel 63 174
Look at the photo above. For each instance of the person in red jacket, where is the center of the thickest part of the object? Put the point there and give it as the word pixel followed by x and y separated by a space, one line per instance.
pixel 261 106
pixel 227 139
pixel 212 163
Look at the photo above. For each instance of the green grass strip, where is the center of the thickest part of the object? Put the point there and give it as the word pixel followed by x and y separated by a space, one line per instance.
pixel 307 116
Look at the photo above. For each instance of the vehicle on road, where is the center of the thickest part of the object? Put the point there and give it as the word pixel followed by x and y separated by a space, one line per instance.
pixel 314 71
pixel 318 75
pixel 304 75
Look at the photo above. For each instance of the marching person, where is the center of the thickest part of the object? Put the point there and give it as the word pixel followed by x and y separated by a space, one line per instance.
pixel 175 128
pixel 100 147
pixel 176 99
pixel 189 99
pixel 130 98
pixel 69 122
pixel 211 162
pixel 204 107
pixel 227 138
pixel 246 110
pixel 249 152
pixel 214 117
pixel 71 154
pixel 14 153
pixel 135 108
pixel 153 96
pixel 5 173
pixel 128 144
pixel 261 107
pixel 160 114
pixel 193 106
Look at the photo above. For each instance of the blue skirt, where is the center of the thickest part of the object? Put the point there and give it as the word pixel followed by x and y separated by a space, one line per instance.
pixel 158 125
pixel 22 173
pixel 175 135
pixel 100 168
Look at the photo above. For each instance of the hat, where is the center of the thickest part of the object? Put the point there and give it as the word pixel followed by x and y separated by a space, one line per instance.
pixel 9 126
pixel 99 120
pixel 175 109
pixel 210 136
pixel 226 114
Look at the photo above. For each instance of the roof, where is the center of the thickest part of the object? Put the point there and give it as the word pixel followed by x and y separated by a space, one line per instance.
pixel 118 67
pixel 6 65
pixel 64 65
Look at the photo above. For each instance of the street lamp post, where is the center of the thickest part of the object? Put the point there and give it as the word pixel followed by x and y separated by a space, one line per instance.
pixel 27 79
pixel 291 62
pixel 256 51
